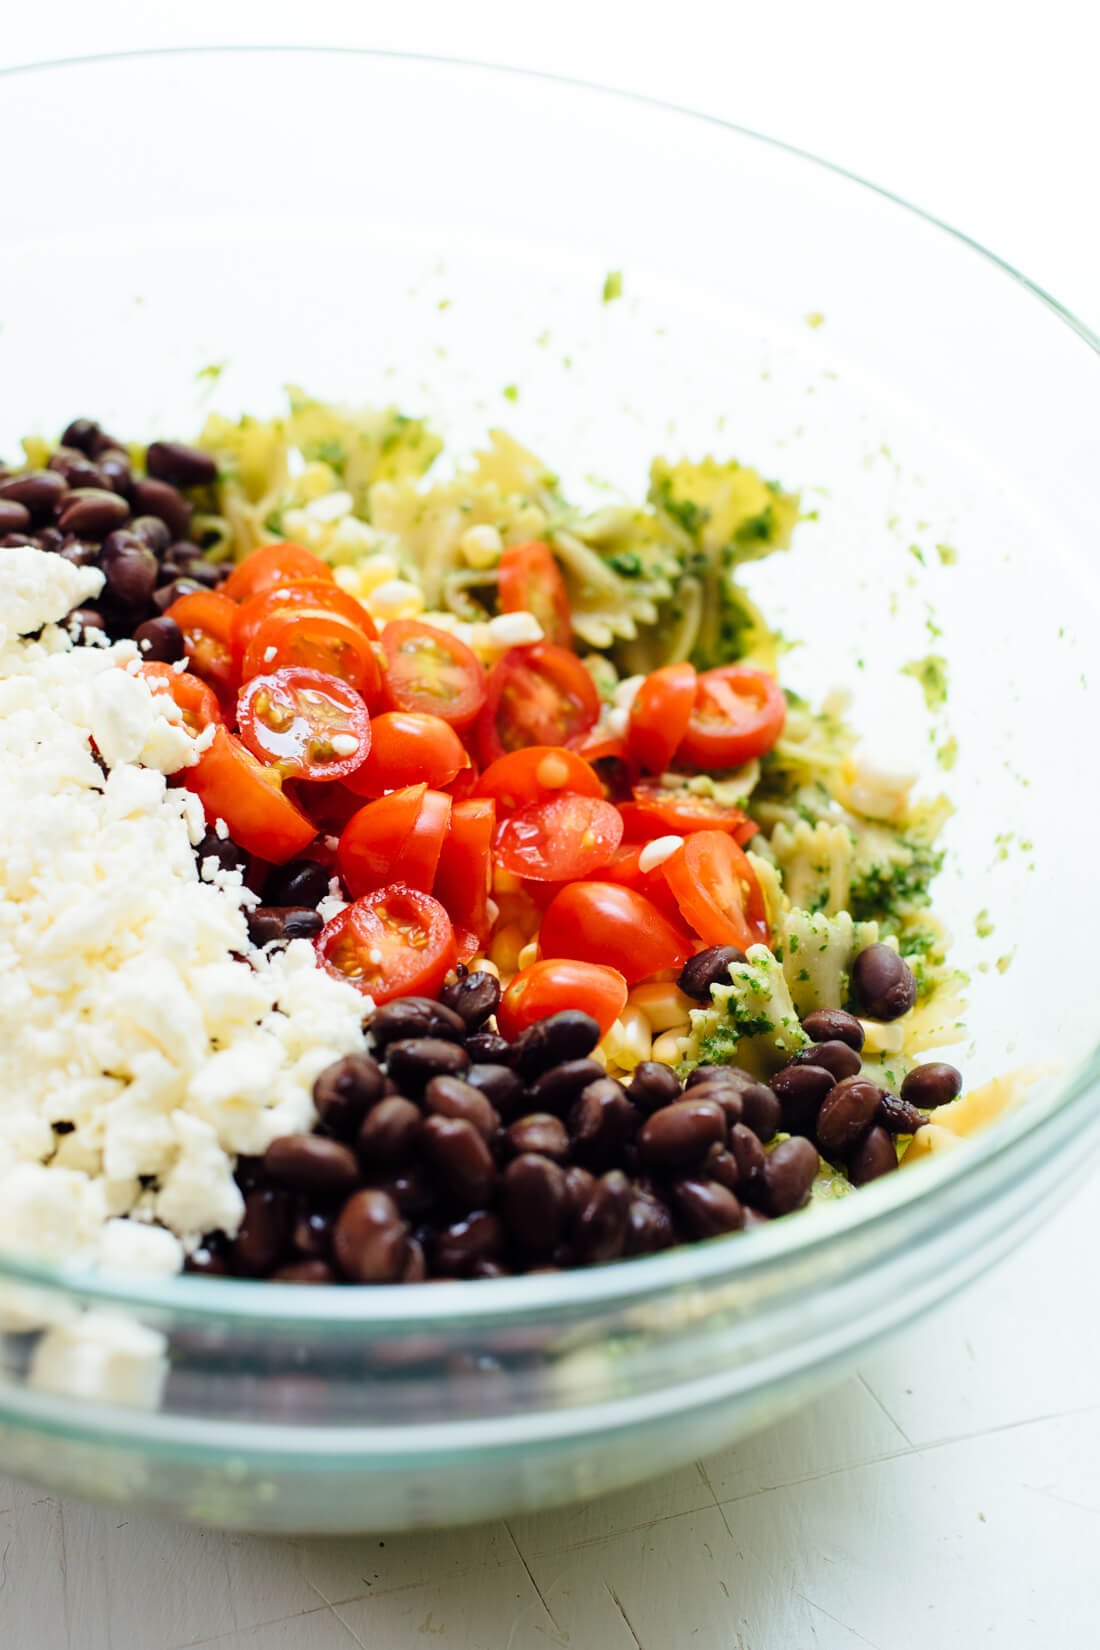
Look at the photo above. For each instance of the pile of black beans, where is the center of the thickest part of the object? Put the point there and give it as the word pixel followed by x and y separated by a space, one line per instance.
pixel 90 506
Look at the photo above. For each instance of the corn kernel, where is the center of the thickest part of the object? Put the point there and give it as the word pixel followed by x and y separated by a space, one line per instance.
pixel 670 1046
pixel 505 883
pixel 506 947
pixel 883 1037
pixel 485 965
pixel 656 852
pixel 664 1006
pixel 481 546
pixel 329 507
pixel 514 630
pixel 528 955
pixel 628 1042
pixel 396 599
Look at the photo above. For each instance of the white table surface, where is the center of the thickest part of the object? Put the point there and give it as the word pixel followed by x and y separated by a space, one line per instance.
pixel 948 1495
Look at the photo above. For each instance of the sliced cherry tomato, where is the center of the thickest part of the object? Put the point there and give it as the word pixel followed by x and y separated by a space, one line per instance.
pixel 206 619
pixel 569 836
pixel 273 564
pixel 531 582
pixel 233 786
pixel 198 703
pixel 624 867
pixel 660 714
pixel 431 671
pixel 304 723
pixel 464 876
pixel 600 747
pixel 717 891
pixel 738 714
pixel 467 946
pixel 325 597
pixel 664 808
pixel 315 639
pixel 396 839
pixel 547 987
pixel 329 804
pixel 606 923
pixel 537 695
pixel 534 774
pixel 464 783
pixel 395 942
pixel 408 749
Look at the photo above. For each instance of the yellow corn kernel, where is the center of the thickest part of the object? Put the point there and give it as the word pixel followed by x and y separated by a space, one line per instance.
pixel 506 946
pixel 629 1041
pixel 669 1046
pixel 481 546
pixel 528 955
pixel 662 1004
pixel 484 965
pixel 505 883
pixel 396 599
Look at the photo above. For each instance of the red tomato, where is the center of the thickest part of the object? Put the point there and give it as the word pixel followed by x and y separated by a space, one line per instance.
pixel 717 891
pixel 395 942
pixel 598 747
pixel 396 839
pixel 739 713
pixel 660 714
pixel 531 582
pixel 467 946
pixel 464 876
pixel 315 639
pixel 325 597
pixel 406 749
pixel 198 703
pixel 464 783
pixel 569 836
pixel 606 923
pixel 547 987
pixel 233 786
pixel 537 695
pixel 534 774
pixel 328 803
pixel 431 671
pixel 660 809
pixel 206 619
pixel 273 564
pixel 623 867
pixel 304 723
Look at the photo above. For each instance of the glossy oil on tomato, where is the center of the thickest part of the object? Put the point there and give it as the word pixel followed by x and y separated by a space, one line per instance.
pixel 303 723
pixel 537 695
pixel 568 836
pixel 314 639
pixel 659 716
pixel 529 581
pixel 206 619
pixel 322 596
pixel 197 702
pixel 395 942
pixel 396 839
pixel 548 987
pixel 408 748
pixel 717 891
pixel 464 874
pixel 429 670
pixel 605 922
pixel 738 714
pixel 535 775
pixel 659 809
pixel 273 564
pixel 233 786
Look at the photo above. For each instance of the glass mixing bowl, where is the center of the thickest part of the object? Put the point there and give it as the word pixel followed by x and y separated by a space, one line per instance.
pixel 197 229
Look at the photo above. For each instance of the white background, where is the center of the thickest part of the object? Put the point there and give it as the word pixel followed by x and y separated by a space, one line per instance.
pixel 949 1495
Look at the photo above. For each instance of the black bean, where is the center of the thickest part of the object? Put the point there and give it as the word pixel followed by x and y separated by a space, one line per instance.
pixel 826 1025
pixel 310 1163
pixel 92 512
pixel 569 1035
pixel 14 517
pixel 882 984
pixel 680 1135
pixel 706 1208
pixel 50 538
pixel 223 849
pixel 153 533
pixel 389 1134
pixel 299 882
pixel 602 1122
pixel 789 1174
pixel 129 568
pixel 707 968
pixel 203 573
pixel 415 1269
pixel 835 1056
pixel 345 1091
pixel 558 1088
pixel 409 1186
pixel 720 1164
pixel 305 1271
pixel 653 1085
pixel 280 924
pixel 473 998
pixel 408 1017
pixel 760 1110
pixel 371 1241
pixel 488 1049
pixel 414 1061
pixel 179 464
pixel 84 622
pixel 165 594
pixel 208 1261
pixel 115 468
pixel 538 1132
pixel 157 498
pixel 599 1228
pixel 263 1237
pixel 82 554
pixel 579 1185
pixel 465 1243
pixel 499 1084
pixel 81 433
pixel 899 1116
pixel 77 468
pixel 846 1114
pixel 38 491
pixel 750 1160
pixel 733 1075
pixel 874 1158
pixel 932 1085
pixel 800 1091
pixel 451 1097
pixel 534 1202
pixel 160 639
pixel 648 1224
pixel 312 1234
pixel 462 1162
pixel 722 1094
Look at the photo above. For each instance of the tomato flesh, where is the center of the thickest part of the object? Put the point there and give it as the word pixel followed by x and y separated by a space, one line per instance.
pixel 557 983
pixel 232 785
pixel 537 695
pixel 535 774
pixel 197 702
pixel 659 716
pixel 273 564
pixel 738 714
pixel 321 595
pixel 607 923
pixel 395 942
pixel 529 580
pixel 432 672
pixel 314 638
pixel 659 809
pixel 303 723
pixel 568 836
pixel 717 891
pixel 408 748
pixel 396 839
pixel 206 620
pixel 464 875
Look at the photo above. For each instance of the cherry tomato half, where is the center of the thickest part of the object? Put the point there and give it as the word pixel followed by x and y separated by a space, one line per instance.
pixel 738 714
pixel 198 703
pixel 315 639
pixel 408 749
pixel 464 876
pixel 304 723
pixel 206 619
pixel 233 786
pixel 660 714
pixel 717 891
pixel 604 922
pixel 530 581
pixel 314 593
pixel 396 839
pixel 272 564
pixel 537 695
pixel 560 982
pixel 624 867
pixel 431 671
pixel 569 836
pixel 534 774
pixel 395 942
pixel 659 809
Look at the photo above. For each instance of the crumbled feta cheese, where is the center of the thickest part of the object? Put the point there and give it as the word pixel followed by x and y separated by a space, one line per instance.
pixel 103 1356
pixel 32 595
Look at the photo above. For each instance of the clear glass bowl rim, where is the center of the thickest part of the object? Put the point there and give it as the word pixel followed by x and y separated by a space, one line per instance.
pixel 1000 1151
